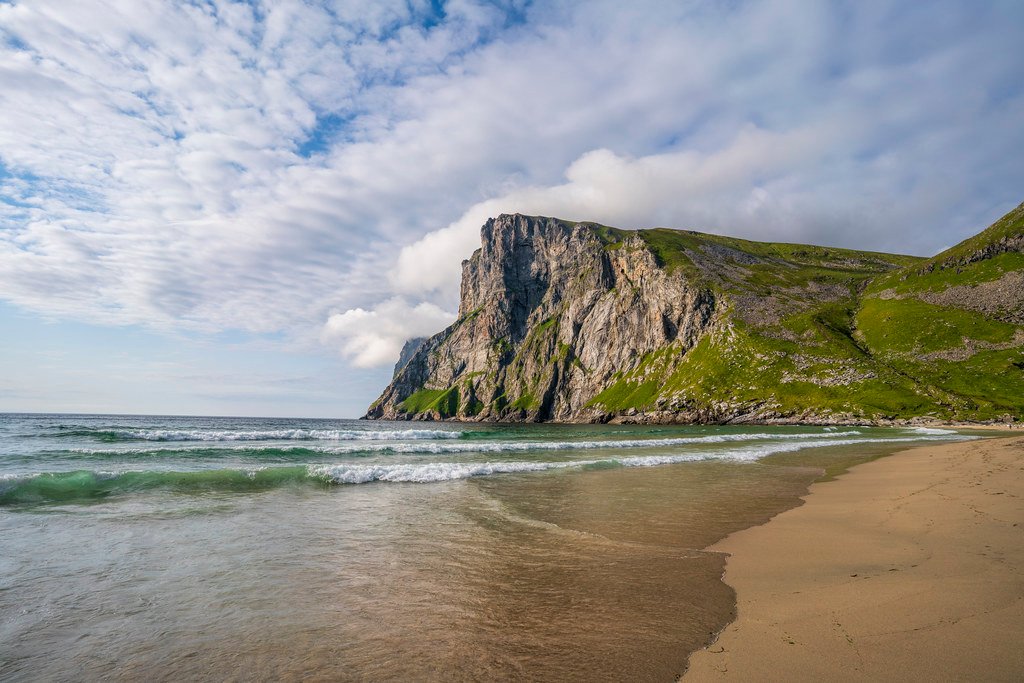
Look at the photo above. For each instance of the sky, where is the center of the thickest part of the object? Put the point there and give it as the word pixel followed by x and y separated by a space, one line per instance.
pixel 245 208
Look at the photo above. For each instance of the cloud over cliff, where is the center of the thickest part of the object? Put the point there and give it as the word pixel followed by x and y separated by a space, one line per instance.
pixel 375 337
pixel 249 168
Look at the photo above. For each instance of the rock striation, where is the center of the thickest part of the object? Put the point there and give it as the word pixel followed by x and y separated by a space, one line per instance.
pixel 580 322
pixel 548 316
pixel 409 350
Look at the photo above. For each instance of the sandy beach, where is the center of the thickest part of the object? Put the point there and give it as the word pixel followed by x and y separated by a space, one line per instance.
pixel 906 568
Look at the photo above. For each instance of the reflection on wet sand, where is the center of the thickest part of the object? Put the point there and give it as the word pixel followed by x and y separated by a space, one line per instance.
pixel 594 575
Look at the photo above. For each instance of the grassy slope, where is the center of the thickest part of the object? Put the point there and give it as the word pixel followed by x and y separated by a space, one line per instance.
pixel 976 360
pixel 788 363
pixel 847 332
pixel 857 354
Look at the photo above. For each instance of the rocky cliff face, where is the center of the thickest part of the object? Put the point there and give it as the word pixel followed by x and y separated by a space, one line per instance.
pixel 409 350
pixel 549 314
pixel 581 322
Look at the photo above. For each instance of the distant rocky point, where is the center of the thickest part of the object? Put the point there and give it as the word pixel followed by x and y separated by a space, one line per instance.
pixel 580 322
pixel 409 349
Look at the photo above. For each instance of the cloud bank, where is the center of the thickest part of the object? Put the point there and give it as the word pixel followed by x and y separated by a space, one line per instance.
pixel 372 338
pixel 264 168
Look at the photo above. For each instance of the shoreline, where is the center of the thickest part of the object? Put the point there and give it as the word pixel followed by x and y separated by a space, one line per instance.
pixel 648 419
pixel 908 567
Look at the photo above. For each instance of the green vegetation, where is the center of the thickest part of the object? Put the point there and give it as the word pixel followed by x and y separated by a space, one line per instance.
pixel 625 394
pixel 903 283
pixel 469 316
pixel 745 368
pixel 444 401
pixel 799 330
pixel 1008 228
pixel 422 400
pixel 547 324
pixel 910 326
pixel 501 346
pixel 526 402
pixel 611 238
pixel 800 262
pixel 862 355
pixel 669 248
pixel 971 362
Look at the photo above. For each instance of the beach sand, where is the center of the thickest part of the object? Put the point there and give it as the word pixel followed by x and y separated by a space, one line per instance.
pixel 906 568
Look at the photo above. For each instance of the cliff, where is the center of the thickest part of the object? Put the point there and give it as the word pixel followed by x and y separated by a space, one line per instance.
pixel 579 322
pixel 409 349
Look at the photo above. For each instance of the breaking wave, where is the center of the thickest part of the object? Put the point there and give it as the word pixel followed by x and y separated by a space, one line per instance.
pixel 114 435
pixel 427 447
pixel 89 486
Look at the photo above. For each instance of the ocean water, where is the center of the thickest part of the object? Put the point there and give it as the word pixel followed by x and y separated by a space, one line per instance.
pixel 170 548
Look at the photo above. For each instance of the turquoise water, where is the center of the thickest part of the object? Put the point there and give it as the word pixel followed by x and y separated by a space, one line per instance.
pixel 60 459
pixel 164 548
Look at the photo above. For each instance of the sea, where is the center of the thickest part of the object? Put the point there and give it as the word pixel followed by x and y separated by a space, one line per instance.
pixel 219 548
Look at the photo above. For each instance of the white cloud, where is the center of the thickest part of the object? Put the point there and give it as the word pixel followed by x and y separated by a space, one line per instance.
pixel 151 165
pixel 375 337
pixel 761 184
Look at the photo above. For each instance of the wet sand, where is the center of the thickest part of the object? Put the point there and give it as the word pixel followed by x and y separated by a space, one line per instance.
pixel 596 573
pixel 906 568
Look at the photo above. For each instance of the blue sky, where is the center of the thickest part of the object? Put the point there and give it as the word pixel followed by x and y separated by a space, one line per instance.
pixel 245 207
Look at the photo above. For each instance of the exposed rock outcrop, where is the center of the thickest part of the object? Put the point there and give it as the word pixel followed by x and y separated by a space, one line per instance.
pixel 409 350
pixel 579 322
pixel 549 313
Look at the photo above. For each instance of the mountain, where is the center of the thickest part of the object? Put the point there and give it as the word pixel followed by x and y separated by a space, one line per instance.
pixel 409 349
pixel 581 322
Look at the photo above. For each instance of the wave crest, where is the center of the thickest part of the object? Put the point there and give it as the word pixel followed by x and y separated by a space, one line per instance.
pixel 89 486
pixel 263 434
pixel 424 445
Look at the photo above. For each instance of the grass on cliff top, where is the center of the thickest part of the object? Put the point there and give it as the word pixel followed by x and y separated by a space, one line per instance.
pixel 670 247
pixel 805 262
pixel 762 267
pixel 940 279
pixel 611 238
pixel 947 269
pixel 1009 226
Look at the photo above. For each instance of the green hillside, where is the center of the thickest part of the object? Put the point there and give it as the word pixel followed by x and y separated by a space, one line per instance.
pixel 585 322
pixel 828 331
pixel 955 323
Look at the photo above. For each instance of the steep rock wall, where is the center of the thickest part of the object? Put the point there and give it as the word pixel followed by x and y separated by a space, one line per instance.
pixel 579 322
pixel 550 313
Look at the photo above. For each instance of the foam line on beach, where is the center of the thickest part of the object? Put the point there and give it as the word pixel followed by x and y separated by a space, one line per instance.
pixel 427 447
pixel 355 473
pixel 85 485
pixel 260 434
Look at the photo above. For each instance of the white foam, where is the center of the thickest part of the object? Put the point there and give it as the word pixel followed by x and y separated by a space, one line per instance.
pixel 429 472
pixel 17 477
pixel 425 446
pixel 931 430
pixel 349 473
pixel 519 446
pixel 772 442
pixel 286 435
